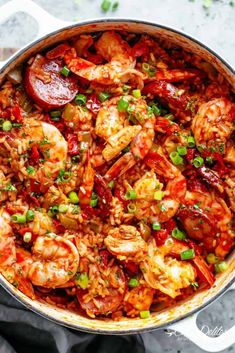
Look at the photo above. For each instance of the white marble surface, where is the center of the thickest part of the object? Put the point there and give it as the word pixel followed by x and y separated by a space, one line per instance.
pixel 216 28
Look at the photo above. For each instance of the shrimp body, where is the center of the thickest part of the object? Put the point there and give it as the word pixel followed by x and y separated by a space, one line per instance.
pixel 126 243
pixel 116 51
pixel 55 261
pixel 213 124
pixel 166 273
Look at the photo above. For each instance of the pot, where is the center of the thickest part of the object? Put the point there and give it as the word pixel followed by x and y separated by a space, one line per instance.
pixel 181 318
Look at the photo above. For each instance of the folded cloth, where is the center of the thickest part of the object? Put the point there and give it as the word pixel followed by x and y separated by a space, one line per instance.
pixel 22 331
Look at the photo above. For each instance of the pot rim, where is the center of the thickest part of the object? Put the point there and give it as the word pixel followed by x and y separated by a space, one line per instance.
pixel 7 285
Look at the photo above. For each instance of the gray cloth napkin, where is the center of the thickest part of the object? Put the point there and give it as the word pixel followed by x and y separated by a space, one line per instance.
pixel 22 331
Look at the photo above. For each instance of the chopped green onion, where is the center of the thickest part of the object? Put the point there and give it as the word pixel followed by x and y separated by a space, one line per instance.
pixel 30 169
pixel 182 150
pixel 63 208
pixel 152 71
pixel 80 99
pixel 30 215
pixel 136 93
pixel 221 267
pixel 209 160
pixel 155 109
pixel 18 218
pixel 55 115
pixel 105 6
pixel 156 226
pixel 73 197
pixel 76 159
pixel 111 184
pixel 65 71
pixel 195 285
pixel 198 162
pixel 7 125
pixel 145 314
pixel 212 259
pixel 54 210
pixel 130 195
pixel 176 158
pixel 191 141
pixel 133 282
pixel 131 207
pixel 103 96
pixel 178 234
pixel 158 195
pixel 125 88
pixel 145 67
pixel 27 237
pixel 122 105
pixel 187 254
pixel 94 200
pixel 82 280
pixel 63 176
pixel 115 6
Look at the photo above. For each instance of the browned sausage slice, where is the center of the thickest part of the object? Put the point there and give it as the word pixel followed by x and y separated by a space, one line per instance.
pixel 47 86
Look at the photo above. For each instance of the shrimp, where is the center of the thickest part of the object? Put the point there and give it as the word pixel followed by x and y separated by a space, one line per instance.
pixel 86 187
pixel 7 244
pixel 55 261
pixel 46 139
pixel 118 70
pixel 213 124
pixel 230 188
pixel 126 243
pixel 111 125
pixel 138 299
pixel 166 273
pixel 139 148
pixel 209 222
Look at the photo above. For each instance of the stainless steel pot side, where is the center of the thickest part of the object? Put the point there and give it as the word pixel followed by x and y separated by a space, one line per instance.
pixel 186 308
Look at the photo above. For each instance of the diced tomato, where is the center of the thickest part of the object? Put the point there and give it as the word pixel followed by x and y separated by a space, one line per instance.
pixel 160 236
pixel 30 199
pixel 170 225
pixel 131 267
pixel 59 228
pixel 16 112
pixel 93 103
pixel 73 147
pixel 105 257
pixel 22 232
pixel 35 154
pixel 190 154
pixel 35 186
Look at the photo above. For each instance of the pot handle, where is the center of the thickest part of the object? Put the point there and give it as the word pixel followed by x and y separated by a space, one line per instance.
pixel 188 327
pixel 46 22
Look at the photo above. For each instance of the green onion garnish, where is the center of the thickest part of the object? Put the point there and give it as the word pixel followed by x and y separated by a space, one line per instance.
pixel 130 195
pixel 182 150
pixel 131 207
pixel 125 88
pixel 103 96
pixel 111 184
pixel 176 158
pixel 105 6
pixel 7 125
pixel 156 226
pixel 65 71
pixel 221 267
pixel 158 195
pixel 18 218
pixel 30 170
pixel 136 93
pixel 94 200
pixel 145 314
pixel 80 99
pixel 63 208
pixel 82 280
pixel 191 141
pixel 133 282
pixel 73 197
pixel 178 234
pixel 55 115
pixel 198 162
pixel 122 105
pixel 187 254
pixel 209 160
pixel 30 215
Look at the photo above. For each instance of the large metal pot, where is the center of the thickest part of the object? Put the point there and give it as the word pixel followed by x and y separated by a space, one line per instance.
pixel 182 317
